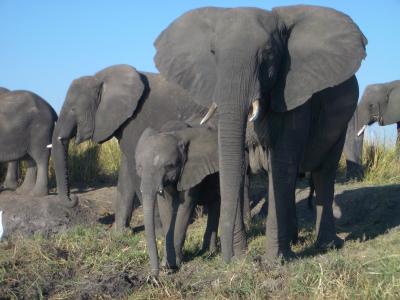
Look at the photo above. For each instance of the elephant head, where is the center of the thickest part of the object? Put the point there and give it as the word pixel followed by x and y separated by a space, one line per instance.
pixel 379 103
pixel 247 61
pixel 94 108
pixel 180 159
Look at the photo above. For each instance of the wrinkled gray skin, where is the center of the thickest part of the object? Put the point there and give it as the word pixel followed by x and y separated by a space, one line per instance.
pixel 26 122
pixel 299 63
pixel 120 102
pixel 11 179
pixel 178 168
pixel 352 151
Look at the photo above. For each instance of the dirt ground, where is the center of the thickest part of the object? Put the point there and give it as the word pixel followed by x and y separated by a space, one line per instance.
pixel 361 211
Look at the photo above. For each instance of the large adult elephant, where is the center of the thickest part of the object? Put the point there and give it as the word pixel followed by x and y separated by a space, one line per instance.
pixel 290 71
pixel 379 103
pixel 120 102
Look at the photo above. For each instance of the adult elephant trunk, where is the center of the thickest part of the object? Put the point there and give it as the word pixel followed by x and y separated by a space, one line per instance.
pixel 231 138
pixel 62 133
pixel 353 150
pixel 149 200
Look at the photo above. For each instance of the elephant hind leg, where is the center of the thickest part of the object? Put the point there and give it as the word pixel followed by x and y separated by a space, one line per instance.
pixel 184 213
pixel 41 186
pixel 210 235
pixel 11 180
pixel 211 198
pixel 324 181
pixel 30 177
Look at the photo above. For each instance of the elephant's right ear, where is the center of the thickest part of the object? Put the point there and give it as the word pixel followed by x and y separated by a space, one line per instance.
pixel 121 92
pixel 184 53
pixel 201 159
pixel 324 48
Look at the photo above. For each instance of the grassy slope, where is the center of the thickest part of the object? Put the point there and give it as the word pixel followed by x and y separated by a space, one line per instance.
pixel 94 262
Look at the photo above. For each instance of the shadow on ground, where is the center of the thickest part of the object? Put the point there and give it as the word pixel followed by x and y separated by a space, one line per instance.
pixel 361 213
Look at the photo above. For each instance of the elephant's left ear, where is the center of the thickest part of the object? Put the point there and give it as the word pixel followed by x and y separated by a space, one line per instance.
pixel 201 161
pixel 120 94
pixel 325 48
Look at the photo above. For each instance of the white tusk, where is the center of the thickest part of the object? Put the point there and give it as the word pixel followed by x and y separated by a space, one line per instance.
pixel 361 131
pixel 49 146
pixel 209 114
pixel 59 138
pixel 255 110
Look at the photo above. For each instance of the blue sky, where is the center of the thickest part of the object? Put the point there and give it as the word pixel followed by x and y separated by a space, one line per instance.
pixel 45 44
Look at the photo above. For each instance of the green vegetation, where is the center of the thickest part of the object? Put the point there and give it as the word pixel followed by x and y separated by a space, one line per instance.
pixel 95 262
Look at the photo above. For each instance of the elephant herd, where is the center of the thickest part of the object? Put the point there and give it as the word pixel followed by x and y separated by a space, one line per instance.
pixel 238 89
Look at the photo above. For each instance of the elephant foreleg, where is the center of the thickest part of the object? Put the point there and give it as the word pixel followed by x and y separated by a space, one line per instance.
pixel 11 180
pixel 324 181
pixel 167 207
pixel 125 194
pixel 281 203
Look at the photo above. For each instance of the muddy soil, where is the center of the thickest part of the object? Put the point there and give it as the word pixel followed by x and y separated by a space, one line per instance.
pixel 361 211
pixel 26 215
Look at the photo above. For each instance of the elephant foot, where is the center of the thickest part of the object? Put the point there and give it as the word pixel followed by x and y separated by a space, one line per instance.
pixel 39 192
pixel 239 245
pixel 22 190
pixel 329 243
pixel 295 238
pixel 276 254
pixel 270 261
pixel 8 185
pixel 122 229
pixel 170 268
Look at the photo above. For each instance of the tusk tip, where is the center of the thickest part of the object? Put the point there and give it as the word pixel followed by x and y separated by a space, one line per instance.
pixel 361 131
pixel 49 146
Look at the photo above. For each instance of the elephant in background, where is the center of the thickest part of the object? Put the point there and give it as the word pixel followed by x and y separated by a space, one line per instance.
pixel 120 102
pixel 290 71
pixel 27 123
pixel 178 166
pixel 379 103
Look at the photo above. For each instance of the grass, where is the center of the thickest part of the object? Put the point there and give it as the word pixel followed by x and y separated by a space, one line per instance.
pixel 94 262
pixel 92 164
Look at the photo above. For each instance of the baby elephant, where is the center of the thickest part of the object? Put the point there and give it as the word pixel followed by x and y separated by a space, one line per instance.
pixel 26 127
pixel 178 166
